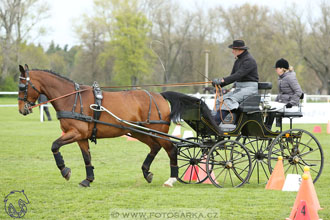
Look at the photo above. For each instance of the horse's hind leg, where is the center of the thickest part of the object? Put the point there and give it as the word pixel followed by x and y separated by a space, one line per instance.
pixel 155 145
pixel 84 147
pixel 154 149
pixel 172 153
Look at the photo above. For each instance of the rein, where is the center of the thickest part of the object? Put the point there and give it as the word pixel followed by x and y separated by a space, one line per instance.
pixel 63 96
pixel 158 85
pixel 113 87
pixel 219 94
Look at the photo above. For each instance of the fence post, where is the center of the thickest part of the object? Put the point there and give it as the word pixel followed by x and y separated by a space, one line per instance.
pixel 41 113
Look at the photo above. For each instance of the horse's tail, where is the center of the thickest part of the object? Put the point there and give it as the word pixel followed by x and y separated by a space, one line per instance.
pixel 181 102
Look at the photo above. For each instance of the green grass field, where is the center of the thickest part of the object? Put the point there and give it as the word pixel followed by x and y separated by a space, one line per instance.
pixel 27 163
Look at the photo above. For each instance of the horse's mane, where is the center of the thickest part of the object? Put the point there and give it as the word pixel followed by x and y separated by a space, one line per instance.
pixel 56 74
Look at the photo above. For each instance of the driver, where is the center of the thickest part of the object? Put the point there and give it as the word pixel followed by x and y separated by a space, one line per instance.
pixel 245 76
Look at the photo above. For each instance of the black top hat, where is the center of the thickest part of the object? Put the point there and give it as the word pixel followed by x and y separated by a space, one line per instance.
pixel 282 63
pixel 238 44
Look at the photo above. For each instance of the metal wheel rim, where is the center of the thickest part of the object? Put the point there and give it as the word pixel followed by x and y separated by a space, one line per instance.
pixel 295 161
pixel 259 157
pixel 228 165
pixel 187 153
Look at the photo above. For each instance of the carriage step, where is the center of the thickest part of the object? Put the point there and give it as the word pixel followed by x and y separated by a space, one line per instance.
pixel 183 145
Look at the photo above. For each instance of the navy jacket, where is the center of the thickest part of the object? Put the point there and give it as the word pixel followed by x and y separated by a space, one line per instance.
pixel 244 70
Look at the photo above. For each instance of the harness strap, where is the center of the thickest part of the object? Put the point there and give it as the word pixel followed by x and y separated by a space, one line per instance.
pixel 98 101
pixel 150 103
pixel 150 122
pixel 153 133
pixel 77 88
pixel 74 115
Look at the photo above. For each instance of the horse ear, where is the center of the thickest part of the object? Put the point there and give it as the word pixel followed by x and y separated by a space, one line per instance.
pixel 26 67
pixel 21 69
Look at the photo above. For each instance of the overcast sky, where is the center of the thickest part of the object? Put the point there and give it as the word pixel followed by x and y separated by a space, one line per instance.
pixel 63 13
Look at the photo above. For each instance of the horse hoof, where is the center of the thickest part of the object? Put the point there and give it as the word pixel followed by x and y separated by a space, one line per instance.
pixel 66 173
pixel 84 183
pixel 168 185
pixel 170 182
pixel 149 177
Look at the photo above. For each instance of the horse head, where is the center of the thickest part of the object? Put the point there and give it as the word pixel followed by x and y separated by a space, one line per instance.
pixel 28 92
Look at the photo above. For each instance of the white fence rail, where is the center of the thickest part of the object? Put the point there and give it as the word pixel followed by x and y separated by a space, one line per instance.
pixel 316 108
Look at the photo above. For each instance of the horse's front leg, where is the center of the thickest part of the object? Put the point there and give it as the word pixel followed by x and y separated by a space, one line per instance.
pixel 84 147
pixel 67 138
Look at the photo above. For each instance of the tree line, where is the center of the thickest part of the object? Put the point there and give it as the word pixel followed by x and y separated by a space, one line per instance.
pixel 138 42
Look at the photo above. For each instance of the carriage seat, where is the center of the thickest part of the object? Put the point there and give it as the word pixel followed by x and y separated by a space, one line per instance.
pixel 252 103
pixel 248 105
pixel 297 114
pixel 294 112
pixel 265 85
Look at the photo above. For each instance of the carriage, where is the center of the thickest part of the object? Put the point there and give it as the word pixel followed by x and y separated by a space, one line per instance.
pixel 246 148
pixel 230 155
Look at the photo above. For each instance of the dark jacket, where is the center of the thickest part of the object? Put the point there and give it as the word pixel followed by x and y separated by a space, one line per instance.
pixel 244 70
pixel 289 88
pixel 42 98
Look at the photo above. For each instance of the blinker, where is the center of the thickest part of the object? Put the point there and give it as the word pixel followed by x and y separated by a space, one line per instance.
pixel 21 87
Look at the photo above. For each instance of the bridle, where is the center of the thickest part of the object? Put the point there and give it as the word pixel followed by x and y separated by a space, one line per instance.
pixel 24 88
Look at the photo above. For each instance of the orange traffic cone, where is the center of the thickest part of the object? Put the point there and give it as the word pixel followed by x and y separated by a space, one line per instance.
pixel 129 137
pixel 317 129
pixel 302 211
pixel 177 131
pixel 304 194
pixel 202 173
pixel 313 192
pixel 191 173
pixel 328 127
pixel 277 179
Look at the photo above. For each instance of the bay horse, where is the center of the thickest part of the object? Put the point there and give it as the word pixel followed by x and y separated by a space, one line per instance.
pixel 133 106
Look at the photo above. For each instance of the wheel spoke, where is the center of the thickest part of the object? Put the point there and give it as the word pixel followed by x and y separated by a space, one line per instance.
pixel 196 173
pixel 184 165
pixel 242 170
pixel 264 170
pixel 216 177
pixel 184 172
pixel 183 159
pixel 231 179
pixel 201 168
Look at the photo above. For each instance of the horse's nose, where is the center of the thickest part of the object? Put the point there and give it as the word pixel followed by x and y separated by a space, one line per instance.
pixel 23 112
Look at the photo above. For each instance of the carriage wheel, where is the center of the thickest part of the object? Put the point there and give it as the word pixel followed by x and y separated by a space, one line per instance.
pixel 298 148
pixel 258 149
pixel 230 162
pixel 192 163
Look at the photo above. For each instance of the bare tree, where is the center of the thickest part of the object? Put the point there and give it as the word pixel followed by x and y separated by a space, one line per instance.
pixel 253 25
pixel 92 35
pixel 314 45
pixel 17 19
pixel 9 11
pixel 171 30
